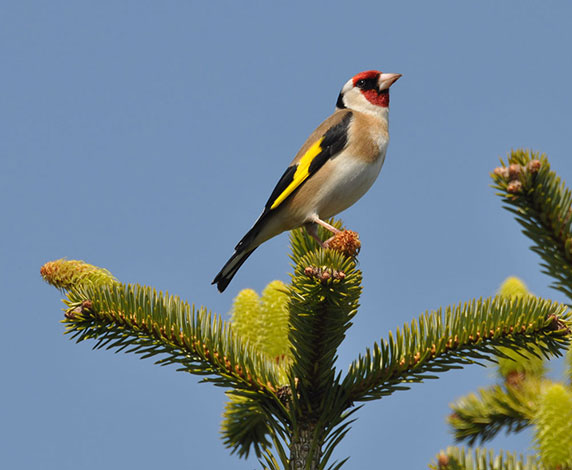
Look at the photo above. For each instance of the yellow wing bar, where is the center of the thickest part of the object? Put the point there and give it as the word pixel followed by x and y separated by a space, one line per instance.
pixel 302 172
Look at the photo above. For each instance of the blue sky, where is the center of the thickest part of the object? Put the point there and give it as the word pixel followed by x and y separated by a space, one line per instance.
pixel 145 137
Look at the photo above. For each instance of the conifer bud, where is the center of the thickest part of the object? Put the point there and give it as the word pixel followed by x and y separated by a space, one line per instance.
pixel 513 287
pixel 262 321
pixel 65 274
pixel 514 171
pixel 514 187
pixel 501 171
pixel 533 166
pixel 245 315
pixel 554 427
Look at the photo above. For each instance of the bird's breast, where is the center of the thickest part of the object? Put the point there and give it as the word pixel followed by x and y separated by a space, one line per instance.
pixel 340 183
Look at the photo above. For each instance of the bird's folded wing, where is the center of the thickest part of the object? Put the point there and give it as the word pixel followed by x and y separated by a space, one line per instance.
pixel 328 140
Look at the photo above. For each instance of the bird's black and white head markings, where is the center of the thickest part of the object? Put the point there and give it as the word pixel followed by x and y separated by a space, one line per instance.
pixel 367 92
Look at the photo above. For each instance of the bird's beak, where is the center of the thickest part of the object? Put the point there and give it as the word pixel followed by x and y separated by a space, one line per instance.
pixel 385 80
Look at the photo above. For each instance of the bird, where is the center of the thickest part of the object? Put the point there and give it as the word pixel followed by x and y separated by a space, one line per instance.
pixel 334 168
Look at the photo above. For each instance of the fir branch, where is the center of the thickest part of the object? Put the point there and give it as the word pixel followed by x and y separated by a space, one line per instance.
pixel 324 298
pixel 543 207
pixel 140 320
pixel 464 334
pixel 515 366
pixel 455 458
pixel 480 417
pixel 245 425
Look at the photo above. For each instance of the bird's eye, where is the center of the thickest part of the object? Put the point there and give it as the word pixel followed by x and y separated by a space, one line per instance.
pixel 367 84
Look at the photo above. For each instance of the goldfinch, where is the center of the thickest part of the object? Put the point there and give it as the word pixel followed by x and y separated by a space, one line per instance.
pixel 334 168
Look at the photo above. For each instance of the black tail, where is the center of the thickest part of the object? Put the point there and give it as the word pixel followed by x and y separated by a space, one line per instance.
pixel 241 253
pixel 231 267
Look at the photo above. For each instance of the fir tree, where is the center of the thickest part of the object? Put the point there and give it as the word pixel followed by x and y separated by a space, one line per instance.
pixel 290 403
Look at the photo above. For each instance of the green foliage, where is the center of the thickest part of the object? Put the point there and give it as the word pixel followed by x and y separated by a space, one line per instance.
pixel 245 425
pixel 454 458
pixel 301 243
pixel 320 313
pixel 140 320
pixel 460 335
pixel 553 430
pixel 480 417
pixel 515 365
pixel 542 205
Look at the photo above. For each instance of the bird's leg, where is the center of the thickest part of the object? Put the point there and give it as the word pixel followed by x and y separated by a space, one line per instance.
pixel 312 230
pixel 326 225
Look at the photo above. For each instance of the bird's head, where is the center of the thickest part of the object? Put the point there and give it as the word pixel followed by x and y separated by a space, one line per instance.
pixel 367 92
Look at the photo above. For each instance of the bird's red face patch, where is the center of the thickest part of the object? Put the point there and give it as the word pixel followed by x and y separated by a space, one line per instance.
pixel 367 83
